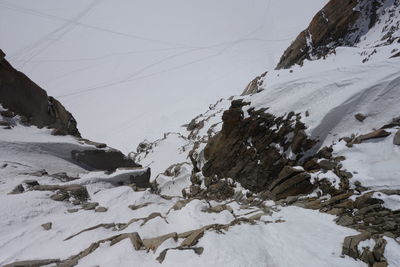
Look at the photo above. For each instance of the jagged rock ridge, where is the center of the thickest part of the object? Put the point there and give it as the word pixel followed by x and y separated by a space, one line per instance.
pixel 22 96
pixel 342 23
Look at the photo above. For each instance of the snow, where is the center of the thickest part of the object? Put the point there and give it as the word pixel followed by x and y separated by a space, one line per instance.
pixel 375 162
pixel 116 64
pixel 392 252
pixel 391 202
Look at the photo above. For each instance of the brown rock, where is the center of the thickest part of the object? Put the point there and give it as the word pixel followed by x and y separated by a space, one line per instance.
pixel 47 226
pixel 22 96
pixel 360 117
pixel 17 190
pixel 254 86
pixel 299 184
pixel 329 26
pixel 372 135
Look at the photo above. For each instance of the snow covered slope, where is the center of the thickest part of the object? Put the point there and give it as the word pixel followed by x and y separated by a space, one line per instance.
pixel 34 226
pixel 349 217
pixel 116 64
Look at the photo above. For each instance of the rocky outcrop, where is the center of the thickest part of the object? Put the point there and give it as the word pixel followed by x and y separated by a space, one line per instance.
pixel 37 108
pixel 258 151
pixel 254 86
pixel 327 30
pixel 341 23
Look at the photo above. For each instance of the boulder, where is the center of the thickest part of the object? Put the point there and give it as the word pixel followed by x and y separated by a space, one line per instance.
pixel 47 226
pixel 30 183
pixel 100 209
pixel 360 117
pixel 76 191
pixel 350 244
pixel 17 190
pixel 255 85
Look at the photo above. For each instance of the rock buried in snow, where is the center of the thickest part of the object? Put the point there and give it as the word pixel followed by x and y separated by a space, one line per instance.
pixel 47 226
pixel 100 209
pixel 396 139
pixel 34 263
pixel 360 117
pixel 17 190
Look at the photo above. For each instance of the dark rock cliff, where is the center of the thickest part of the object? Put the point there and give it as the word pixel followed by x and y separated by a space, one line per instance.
pixel 327 30
pixel 22 96
pixel 342 23
pixel 259 150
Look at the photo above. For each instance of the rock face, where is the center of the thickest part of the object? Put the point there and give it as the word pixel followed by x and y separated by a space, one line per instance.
pixel 38 108
pixel 339 23
pixel 255 150
pixel 254 86
pixel 103 159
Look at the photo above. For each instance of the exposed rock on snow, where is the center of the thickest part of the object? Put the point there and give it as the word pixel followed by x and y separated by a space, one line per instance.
pixel 327 30
pixel 255 85
pixel 47 226
pixel 345 23
pixel 37 107
pixel 396 138
pixel 254 150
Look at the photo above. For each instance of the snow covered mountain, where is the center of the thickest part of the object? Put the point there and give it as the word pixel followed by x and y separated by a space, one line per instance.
pixel 116 64
pixel 300 170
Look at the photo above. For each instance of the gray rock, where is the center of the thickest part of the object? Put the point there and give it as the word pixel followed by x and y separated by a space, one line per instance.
pixel 90 205
pixel 47 226
pixel 30 183
pixel 100 209
pixel 17 190
pixel 345 220
pixel 350 244
pixel 60 196
pixel 327 165
pixel 396 138
pixel 360 117
pixel 72 210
